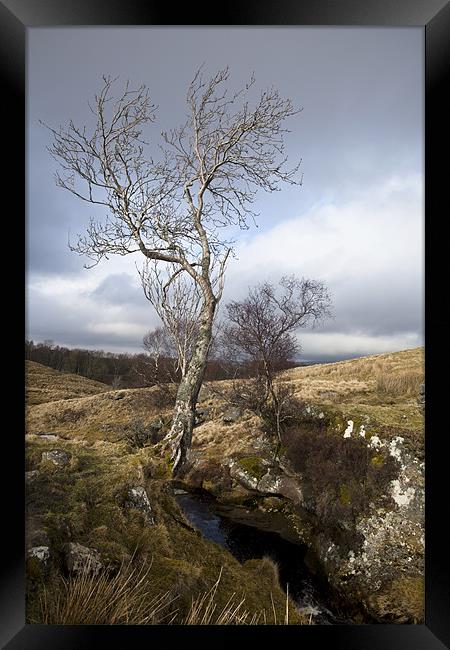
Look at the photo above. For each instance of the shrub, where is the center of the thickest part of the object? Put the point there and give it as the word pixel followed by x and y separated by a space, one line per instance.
pixel 341 476
pixel 277 411
pixel 137 434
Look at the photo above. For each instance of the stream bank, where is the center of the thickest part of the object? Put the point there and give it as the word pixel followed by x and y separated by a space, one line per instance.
pixel 247 534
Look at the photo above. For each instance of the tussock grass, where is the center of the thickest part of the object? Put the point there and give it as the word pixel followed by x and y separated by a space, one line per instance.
pixel 401 383
pixel 128 598
pixel 122 599
pixel 205 611
pixel 383 387
pixel 363 368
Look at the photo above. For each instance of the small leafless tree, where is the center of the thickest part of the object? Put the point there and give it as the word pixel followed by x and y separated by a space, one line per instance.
pixel 175 207
pixel 177 300
pixel 261 330
pixel 161 365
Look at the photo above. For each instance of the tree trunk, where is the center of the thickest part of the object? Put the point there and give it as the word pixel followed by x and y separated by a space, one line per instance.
pixel 180 435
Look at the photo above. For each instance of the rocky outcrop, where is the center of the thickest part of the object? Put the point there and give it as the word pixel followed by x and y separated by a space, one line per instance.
pixel 137 498
pixel 202 415
pixel 38 559
pixel 265 477
pixel 367 533
pixel 388 550
pixel 57 457
pixel 231 414
pixel 79 559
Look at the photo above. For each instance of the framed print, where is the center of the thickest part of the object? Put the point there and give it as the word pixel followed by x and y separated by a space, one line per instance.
pixel 233 253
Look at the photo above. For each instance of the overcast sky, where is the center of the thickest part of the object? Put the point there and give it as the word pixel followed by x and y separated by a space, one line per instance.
pixel 357 222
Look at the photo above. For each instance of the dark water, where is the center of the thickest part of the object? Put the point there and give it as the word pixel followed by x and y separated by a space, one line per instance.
pixel 247 542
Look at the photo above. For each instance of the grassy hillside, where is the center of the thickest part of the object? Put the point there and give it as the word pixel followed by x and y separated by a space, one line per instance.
pixel 383 387
pixel 84 501
pixel 169 568
pixel 44 384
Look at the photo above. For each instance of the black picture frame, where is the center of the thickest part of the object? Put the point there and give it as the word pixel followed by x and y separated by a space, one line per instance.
pixel 16 16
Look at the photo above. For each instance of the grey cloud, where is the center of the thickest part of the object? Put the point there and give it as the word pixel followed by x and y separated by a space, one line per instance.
pixel 362 119
pixel 119 289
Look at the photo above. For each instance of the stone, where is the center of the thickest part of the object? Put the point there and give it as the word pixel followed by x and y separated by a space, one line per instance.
pixel 57 457
pixel 80 558
pixel 231 414
pixel 137 498
pixel 270 482
pixel 202 415
pixel 36 537
pixel 47 435
pixel 41 554
pixel 421 397
pixel 239 474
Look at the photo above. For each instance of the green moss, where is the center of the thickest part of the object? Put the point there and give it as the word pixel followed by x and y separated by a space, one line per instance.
pixel 169 460
pixel 344 494
pixel 377 460
pixel 34 569
pixel 253 465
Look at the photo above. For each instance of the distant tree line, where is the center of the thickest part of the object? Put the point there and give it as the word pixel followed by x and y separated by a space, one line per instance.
pixel 124 370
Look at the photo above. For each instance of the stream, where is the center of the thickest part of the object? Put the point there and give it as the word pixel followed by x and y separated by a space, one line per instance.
pixel 221 524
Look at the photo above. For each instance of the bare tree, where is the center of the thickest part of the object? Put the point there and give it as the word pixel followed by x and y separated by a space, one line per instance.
pixel 261 330
pixel 176 208
pixel 177 300
pixel 162 363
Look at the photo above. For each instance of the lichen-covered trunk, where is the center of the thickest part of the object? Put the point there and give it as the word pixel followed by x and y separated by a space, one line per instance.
pixel 180 435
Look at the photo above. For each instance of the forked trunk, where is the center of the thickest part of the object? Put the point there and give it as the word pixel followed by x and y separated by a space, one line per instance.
pixel 180 435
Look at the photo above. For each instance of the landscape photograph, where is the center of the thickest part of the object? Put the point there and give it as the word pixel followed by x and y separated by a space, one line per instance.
pixel 224 354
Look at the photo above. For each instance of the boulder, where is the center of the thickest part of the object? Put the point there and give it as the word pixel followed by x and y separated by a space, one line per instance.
pixel 232 414
pixel 275 482
pixel 37 562
pixel 157 424
pixel 137 498
pixel 31 476
pixel 80 558
pixel 58 457
pixel 41 554
pixel 202 415
pixel 47 436
pixel 242 476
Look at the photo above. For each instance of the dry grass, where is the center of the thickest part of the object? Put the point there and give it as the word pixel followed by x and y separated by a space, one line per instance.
pixel 401 383
pixel 383 387
pixel 204 611
pixel 121 599
pixel 128 598
pixel 97 417
pixel 223 440
pixel 363 369
pixel 44 384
